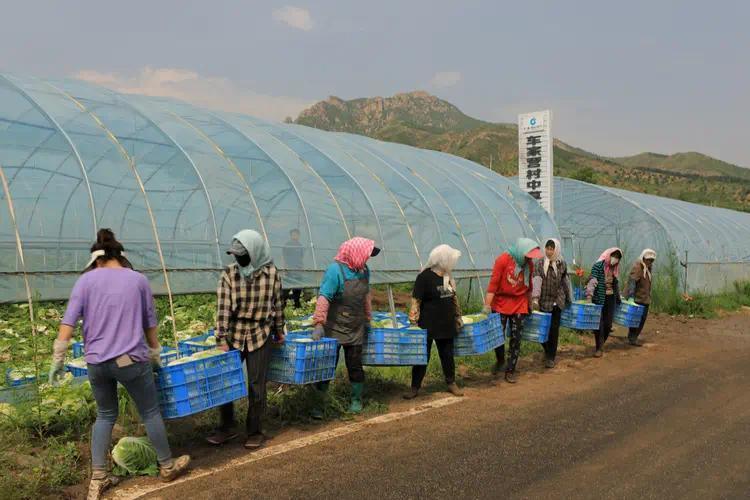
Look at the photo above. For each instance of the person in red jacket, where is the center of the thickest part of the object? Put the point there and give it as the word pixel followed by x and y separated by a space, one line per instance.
pixel 509 295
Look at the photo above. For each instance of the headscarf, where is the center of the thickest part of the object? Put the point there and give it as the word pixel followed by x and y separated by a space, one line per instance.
pixel 258 249
pixel 555 257
pixel 443 258
pixel 518 251
pixel 607 265
pixel 647 254
pixel 355 253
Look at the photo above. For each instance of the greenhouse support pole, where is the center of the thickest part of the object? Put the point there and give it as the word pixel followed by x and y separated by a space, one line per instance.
pixel 685 284
pixel 468 295
pixel 392 304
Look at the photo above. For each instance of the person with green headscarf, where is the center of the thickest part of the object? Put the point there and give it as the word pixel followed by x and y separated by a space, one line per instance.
pixel 250 312
pixel 508 295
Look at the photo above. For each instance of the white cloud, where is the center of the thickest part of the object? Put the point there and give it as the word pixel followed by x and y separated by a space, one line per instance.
pixel 445 79
pixel 296 17
pixel 208 91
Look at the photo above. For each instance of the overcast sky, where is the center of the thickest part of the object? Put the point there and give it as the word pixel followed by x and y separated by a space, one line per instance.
pixel 620 77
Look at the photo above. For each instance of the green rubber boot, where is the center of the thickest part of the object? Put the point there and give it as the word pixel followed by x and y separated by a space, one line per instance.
pixel 318 412
pixel 356 406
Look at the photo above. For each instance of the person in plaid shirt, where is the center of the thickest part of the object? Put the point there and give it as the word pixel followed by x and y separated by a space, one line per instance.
pixel 250 312
pixel 551 293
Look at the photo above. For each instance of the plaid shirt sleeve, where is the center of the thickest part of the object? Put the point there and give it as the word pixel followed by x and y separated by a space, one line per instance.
pixel 278 308
pixel 224 310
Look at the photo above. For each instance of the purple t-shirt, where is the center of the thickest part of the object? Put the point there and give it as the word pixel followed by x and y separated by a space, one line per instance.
pixel 117 305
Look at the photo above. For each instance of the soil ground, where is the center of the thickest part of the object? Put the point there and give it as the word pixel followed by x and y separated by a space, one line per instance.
pixel 668 420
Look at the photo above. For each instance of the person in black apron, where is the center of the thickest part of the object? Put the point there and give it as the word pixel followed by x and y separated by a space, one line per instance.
pixel 344 310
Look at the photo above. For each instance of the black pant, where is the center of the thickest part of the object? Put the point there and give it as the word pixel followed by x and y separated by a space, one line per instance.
pixel 550 347
pixel 353 360
pixel 445 350
pixel 634 332
pixel 516 330
pixel 257 363
pixel 295 294
pixel 605 325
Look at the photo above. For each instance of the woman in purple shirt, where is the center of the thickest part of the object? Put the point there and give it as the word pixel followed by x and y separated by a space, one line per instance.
pixel 117 307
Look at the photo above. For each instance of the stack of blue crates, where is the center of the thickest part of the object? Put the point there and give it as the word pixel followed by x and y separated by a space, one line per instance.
pixel 168 354
pixel 395 347
pixel 195 344
pixel 198 385
pixel 77 349
pixel 301 360
pixel 536 327
pixel 400 316
pixel 581 316
pixel 629 315
pixel 480 337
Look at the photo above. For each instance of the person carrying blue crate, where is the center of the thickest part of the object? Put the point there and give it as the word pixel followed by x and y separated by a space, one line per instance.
pixel 604 289
pixel 250 314
pixel 117 306
pixel 639 289
pixel 551 293
pixel 435 308
pixel 344 311
pixel 508 294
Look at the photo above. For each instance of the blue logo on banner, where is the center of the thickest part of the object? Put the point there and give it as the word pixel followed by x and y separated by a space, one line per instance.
pixel 532 122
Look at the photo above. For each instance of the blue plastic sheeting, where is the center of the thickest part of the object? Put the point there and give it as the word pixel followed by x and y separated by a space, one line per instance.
pixel 713 242
pixel 175 182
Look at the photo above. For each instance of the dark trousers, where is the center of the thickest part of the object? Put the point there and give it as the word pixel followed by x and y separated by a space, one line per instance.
pixel 605 325
pixel 634 332
pixel 516 330
pixel 257 363
pixel 353 360
pixel 550 347
pixel 295 294
pixel 445 351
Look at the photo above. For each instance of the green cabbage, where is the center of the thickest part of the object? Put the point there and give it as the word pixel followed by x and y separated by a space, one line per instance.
pixel 135 456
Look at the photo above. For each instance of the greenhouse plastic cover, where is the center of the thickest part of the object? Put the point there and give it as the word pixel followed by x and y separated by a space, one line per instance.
pixel 714 243
pixel 175 182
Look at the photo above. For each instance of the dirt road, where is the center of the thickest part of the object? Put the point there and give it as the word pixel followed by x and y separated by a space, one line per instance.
pixel 668 420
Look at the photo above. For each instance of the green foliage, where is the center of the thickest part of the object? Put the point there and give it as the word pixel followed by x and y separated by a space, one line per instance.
pixel 585 174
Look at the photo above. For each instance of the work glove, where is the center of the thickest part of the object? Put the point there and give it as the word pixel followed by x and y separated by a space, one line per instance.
pixel 486 309
pixel 154 355
pixel 57 370
pixel 535 305
pixel 318 332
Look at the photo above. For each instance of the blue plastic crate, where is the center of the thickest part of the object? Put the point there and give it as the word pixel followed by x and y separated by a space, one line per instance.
pixel 76 371
pixel 28 379
pixel 192 345
pixel 301 361
pixel 78 349
pixel 201 384
pixel 536 327
pixel 395 347
pixel 581 316
pixel 629 315
pixel 480 337
pixel 168 354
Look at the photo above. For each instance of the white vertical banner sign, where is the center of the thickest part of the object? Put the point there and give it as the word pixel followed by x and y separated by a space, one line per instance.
pixel 535 156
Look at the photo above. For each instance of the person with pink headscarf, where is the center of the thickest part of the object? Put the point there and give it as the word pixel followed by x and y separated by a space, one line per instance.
pixel 344 311
pixel 604 289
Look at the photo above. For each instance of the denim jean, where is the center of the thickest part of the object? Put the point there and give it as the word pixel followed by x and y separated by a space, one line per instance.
pixel 138 380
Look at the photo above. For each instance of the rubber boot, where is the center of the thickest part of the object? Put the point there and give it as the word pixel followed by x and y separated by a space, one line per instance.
pixel 318 412
pixel 357 389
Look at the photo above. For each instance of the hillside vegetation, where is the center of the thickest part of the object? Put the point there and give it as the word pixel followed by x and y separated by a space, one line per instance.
pixel 423 120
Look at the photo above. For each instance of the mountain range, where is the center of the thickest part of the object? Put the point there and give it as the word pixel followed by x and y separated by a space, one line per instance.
pixel 426 121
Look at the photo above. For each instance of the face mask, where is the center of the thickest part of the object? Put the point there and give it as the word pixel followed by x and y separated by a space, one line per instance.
pixel 242 260
pixel 613 261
